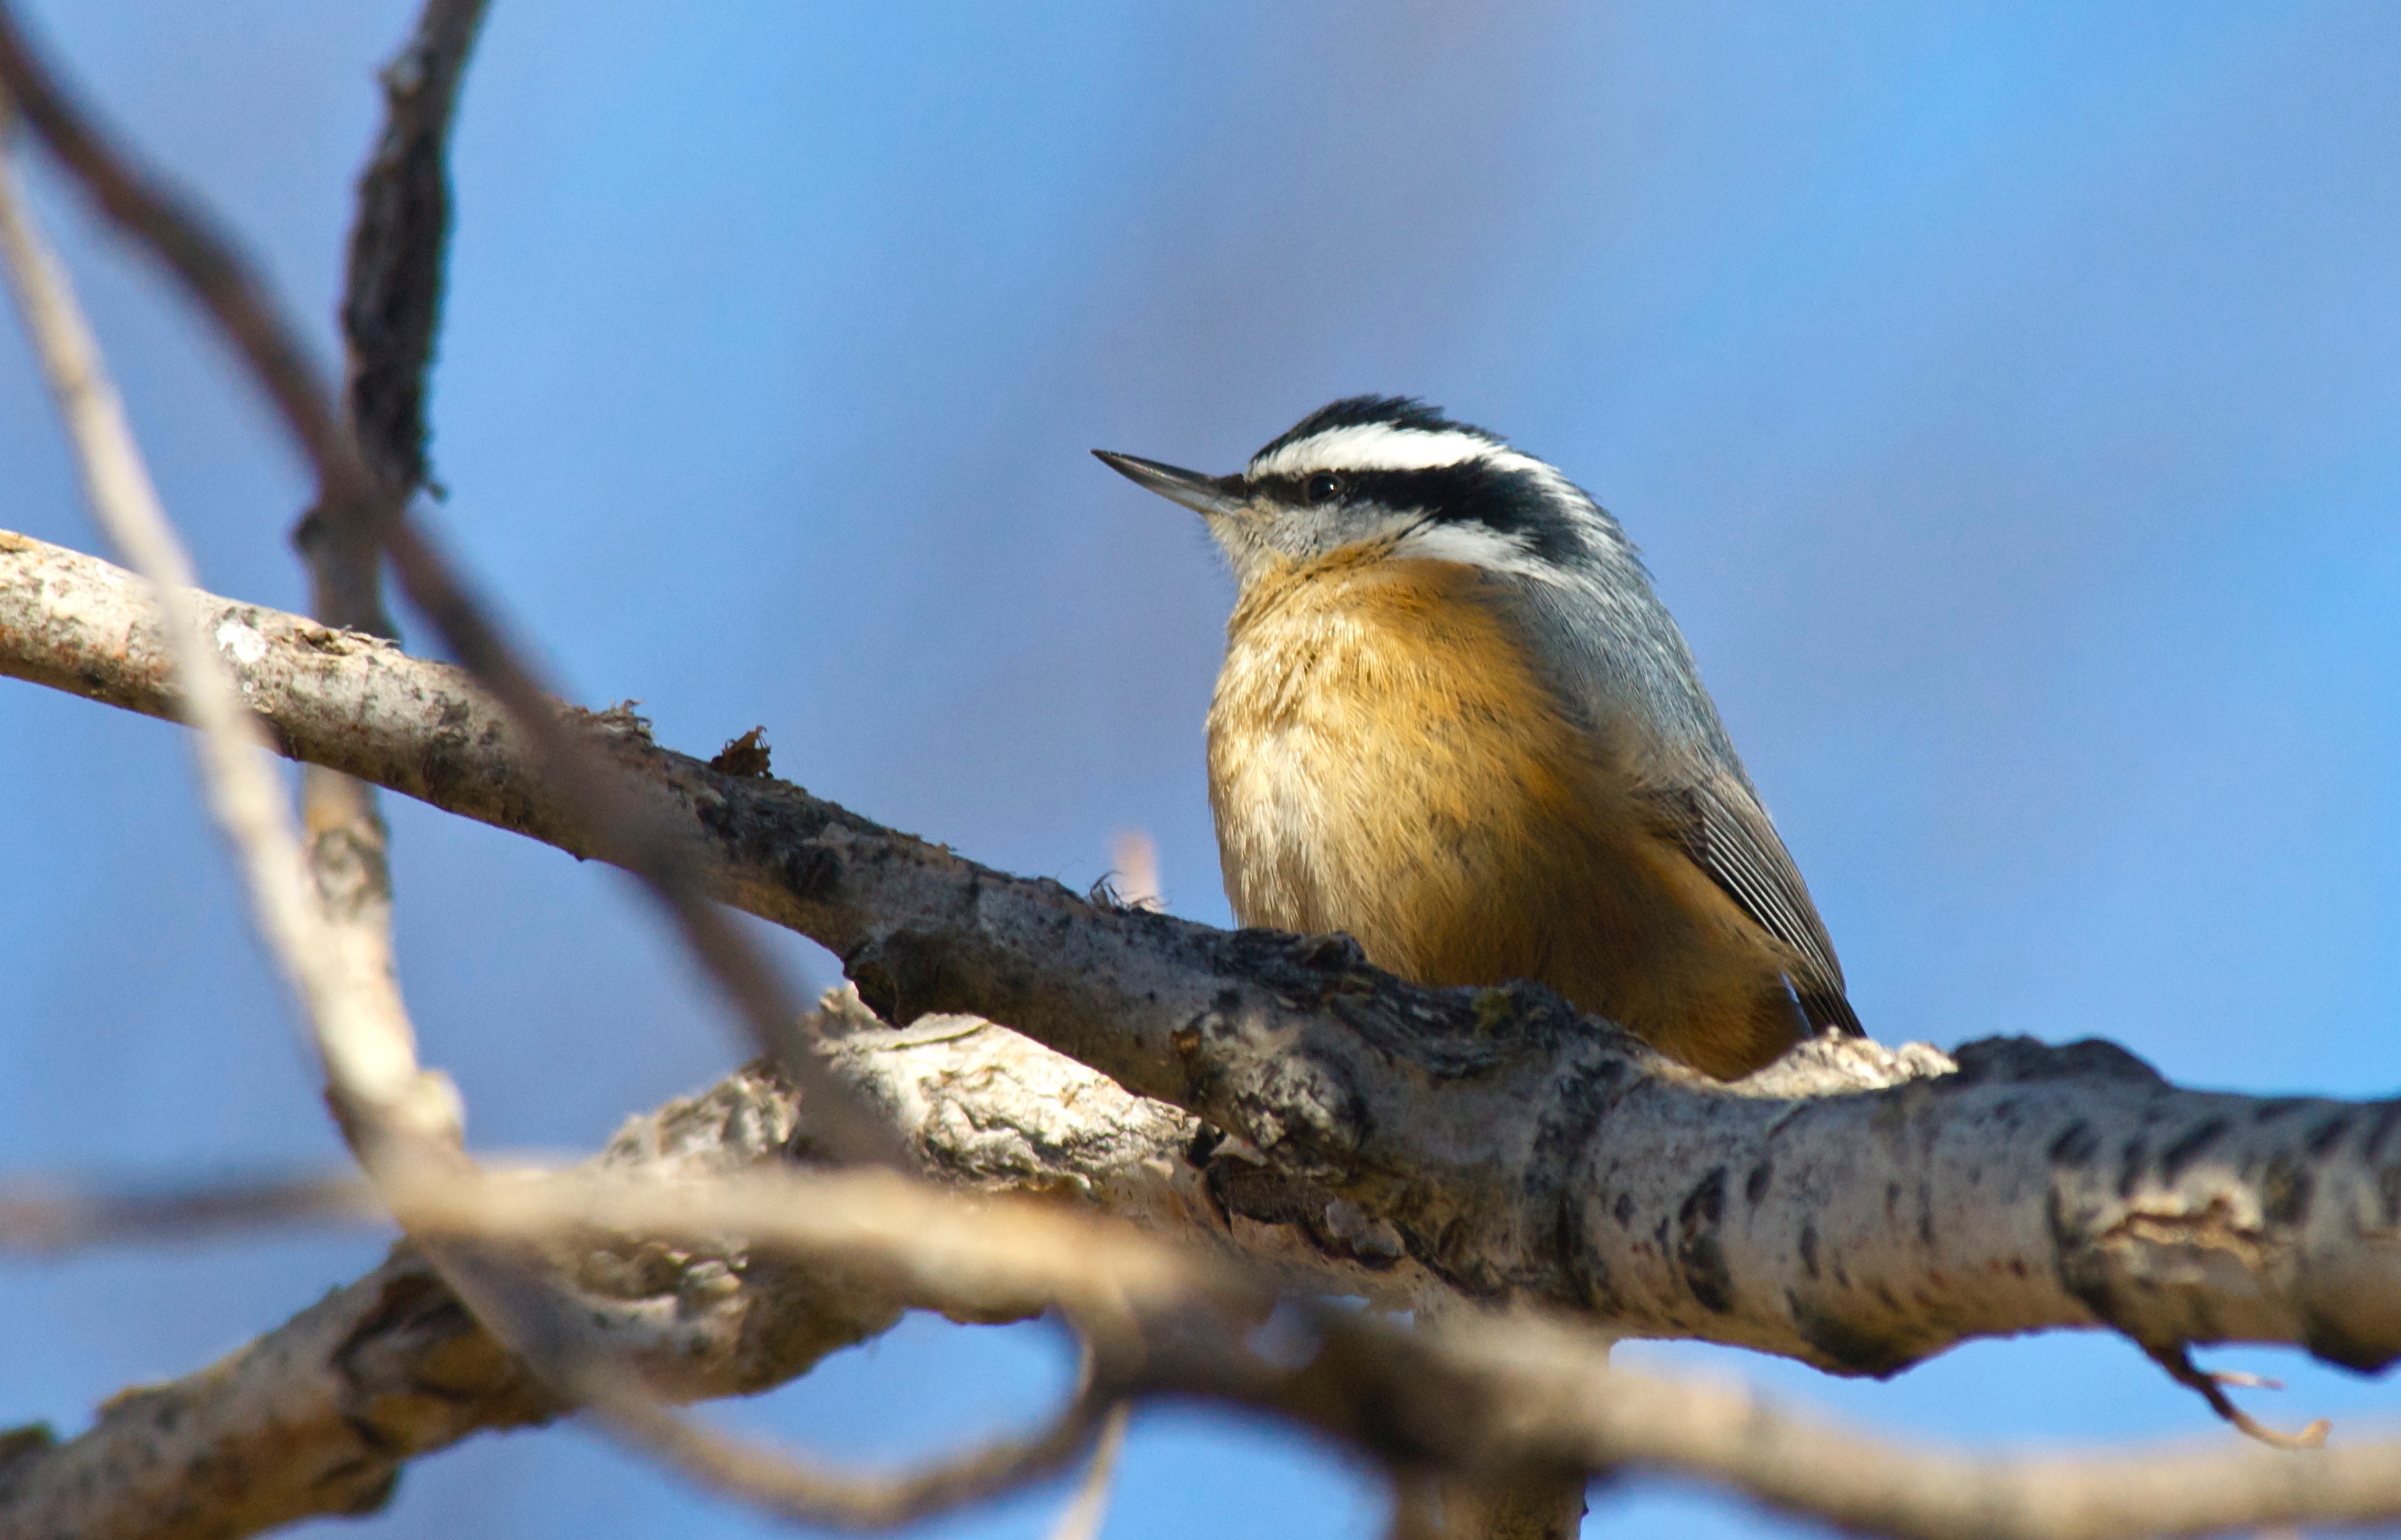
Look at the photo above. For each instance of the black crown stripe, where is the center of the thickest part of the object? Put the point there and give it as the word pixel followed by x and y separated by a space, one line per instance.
pixel 1406 412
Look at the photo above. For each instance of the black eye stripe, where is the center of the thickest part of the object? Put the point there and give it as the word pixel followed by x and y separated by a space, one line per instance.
pixel 1472 487
pixel 1504 499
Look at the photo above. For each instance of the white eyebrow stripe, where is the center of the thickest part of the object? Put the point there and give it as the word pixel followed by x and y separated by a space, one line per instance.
pixel 1554 482
pixel 1372 446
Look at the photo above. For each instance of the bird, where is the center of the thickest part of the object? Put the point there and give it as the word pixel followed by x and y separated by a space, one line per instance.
pixel 1455 723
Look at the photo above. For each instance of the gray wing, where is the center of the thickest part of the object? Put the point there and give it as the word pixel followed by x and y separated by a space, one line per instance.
pixel 1609 643
pixel 1727 835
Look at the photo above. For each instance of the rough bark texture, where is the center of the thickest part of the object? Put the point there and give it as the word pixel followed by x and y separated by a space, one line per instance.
pixel 317 1417
pixel 1490 1141
pixel 1853 1206
pixel 320 1415
pixel 392 297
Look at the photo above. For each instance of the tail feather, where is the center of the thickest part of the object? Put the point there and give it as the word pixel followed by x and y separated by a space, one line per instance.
pixel 1830 1008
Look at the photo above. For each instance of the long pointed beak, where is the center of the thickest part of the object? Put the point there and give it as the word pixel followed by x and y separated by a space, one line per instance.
pixel 1201 494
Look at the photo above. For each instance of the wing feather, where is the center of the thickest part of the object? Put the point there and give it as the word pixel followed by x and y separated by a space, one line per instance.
pixel 1606 643
pixel 1728 835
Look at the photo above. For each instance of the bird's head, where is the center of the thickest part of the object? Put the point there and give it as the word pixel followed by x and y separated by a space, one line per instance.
pixel 1387 476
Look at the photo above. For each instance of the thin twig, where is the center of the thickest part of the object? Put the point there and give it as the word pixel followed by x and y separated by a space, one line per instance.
pixel 391 301
pixel 778 1482
pixel 2176 1359
pixel 367 1050
pixel 43 1217
pixel 1085 1512
pixel 237 300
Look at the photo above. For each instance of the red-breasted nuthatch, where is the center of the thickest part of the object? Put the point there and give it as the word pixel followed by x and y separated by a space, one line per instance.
pixel 1456 722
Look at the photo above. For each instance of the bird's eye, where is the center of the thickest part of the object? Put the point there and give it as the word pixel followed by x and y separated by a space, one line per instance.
pixel 1323 487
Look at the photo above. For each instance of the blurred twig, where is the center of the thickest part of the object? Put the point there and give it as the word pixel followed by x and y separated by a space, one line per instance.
pixel 1086 1511
pixel 41 1215
pixel 349 495
pixel 366 1047
pixel 774 1481
pixel 402 1124
pixel 1134 879
pixel 1501 1400
pixel 391 305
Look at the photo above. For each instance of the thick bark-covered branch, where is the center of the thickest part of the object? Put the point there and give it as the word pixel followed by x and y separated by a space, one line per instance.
pixel 1489 1139
pixel 320 1415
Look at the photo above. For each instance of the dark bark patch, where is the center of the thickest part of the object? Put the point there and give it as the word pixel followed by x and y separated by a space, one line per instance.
pixel 2321 1139
pixel 1849 1347
pixel 1754 1187
pixel 812 873
pixel 1809 1248
pixel 902 977
pixel 2019 1059
pixel 2388 1116
pixel 1335 952
pixel 2190 1147
pixel 2284 1192
pixel 2074 1259
pixel 2336 1342
pixel 2075 1147
pixel 1699 1257
pixel 1268 1196
pixel 2130 1158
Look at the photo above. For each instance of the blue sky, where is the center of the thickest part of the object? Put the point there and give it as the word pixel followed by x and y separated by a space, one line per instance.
pixel 2005 397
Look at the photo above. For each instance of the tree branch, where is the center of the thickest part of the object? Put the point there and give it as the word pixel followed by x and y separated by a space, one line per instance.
pixel 391 299
pixel 320 1415
pixel 1498 1400
pixel 390 305
pixel 1853 1206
